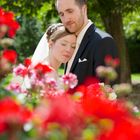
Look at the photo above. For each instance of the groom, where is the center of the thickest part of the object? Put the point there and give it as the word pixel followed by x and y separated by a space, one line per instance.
pixel 92 43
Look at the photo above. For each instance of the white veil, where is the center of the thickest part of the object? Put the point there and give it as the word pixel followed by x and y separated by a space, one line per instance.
pixel 41 51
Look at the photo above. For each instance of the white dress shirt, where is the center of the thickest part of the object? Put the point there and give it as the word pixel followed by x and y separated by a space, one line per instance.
pixel 78 42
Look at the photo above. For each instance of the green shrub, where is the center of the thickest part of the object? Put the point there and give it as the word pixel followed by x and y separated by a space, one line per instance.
pixel 27 37
pixel 134 55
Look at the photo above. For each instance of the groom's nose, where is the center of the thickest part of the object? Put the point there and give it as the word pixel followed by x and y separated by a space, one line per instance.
pixel 66 19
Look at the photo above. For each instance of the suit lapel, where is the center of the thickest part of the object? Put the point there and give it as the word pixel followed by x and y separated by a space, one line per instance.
pixel 82 46
pixel 65 68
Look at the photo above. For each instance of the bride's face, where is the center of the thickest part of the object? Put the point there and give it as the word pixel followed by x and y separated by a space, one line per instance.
pixel 62 49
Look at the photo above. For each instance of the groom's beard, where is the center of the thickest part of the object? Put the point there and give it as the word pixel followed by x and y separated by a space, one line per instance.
pixel 69 31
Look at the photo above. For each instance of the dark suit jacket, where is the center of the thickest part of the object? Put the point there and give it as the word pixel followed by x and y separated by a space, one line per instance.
pixel 95 45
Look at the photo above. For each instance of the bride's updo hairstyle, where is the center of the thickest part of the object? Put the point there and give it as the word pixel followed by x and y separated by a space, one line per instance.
pixel 56 31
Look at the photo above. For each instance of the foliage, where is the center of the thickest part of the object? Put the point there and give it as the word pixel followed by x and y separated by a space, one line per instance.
pixel 109 6
pixel 27 37
pixel 131 26
pixel 132 34
pixel 22 7
pixel 134 49
pixel 47 14
pixel 43 11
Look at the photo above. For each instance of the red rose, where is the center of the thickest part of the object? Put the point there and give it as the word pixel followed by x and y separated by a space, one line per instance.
pixel 42 68
pixel 7 18
pixel 10 55
pixel 27 62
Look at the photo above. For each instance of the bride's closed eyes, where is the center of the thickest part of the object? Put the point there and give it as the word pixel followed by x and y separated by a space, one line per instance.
pixel 73 46
pixel 63 44
pixel 66 43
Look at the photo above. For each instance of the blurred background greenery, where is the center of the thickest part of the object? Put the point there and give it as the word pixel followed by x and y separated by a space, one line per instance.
pixel 120 18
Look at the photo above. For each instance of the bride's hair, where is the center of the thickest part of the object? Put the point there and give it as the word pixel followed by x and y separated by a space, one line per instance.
pixel 53 32
pixel 56 31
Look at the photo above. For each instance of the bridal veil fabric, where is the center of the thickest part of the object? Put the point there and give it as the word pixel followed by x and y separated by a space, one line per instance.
pixel 41 51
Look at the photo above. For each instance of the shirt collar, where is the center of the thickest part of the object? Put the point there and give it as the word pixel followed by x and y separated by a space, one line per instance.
pixel 83 31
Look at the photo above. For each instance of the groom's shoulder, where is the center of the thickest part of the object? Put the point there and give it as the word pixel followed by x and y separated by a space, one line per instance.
pixel 102 34
pixel 97 33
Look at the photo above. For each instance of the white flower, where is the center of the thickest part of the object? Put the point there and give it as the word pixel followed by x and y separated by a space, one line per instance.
pixel 112 96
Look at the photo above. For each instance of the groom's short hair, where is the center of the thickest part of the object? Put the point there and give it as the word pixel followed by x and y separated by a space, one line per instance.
pixel 81 2
pixel 78 2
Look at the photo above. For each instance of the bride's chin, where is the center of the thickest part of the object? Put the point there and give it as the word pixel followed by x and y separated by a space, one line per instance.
pixel 65 61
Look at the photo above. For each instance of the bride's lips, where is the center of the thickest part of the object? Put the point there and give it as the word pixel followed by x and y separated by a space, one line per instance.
pixel 66 56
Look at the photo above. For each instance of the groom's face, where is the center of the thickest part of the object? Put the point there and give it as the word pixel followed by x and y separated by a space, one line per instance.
pixel 71 14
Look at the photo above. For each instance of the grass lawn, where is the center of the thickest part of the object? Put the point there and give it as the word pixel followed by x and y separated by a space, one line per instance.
pixel 60 71
pixel 135 77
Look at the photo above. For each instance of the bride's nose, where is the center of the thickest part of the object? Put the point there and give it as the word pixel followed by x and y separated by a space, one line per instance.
pixel 68 49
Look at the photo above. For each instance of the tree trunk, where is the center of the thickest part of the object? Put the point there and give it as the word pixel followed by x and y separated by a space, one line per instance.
pixel 114 25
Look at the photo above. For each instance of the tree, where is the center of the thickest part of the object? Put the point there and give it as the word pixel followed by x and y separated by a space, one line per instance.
pixel 23 7
pixel 29 34
pixel 44 11
pixel 112 12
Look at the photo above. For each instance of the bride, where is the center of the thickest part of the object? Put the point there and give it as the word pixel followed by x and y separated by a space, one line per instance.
pixel 55 47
